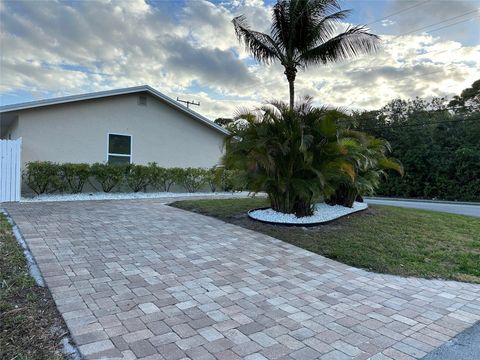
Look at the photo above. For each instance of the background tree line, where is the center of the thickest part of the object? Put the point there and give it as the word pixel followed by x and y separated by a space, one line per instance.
pixel 438 143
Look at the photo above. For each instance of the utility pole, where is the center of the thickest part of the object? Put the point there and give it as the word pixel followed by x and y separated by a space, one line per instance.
pixel 189 102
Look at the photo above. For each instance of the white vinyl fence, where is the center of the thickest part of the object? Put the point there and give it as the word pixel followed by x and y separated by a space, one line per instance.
pixel 10 170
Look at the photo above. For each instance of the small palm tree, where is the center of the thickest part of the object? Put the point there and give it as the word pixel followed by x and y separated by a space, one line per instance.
pixel 368 156
pixel 291 154
pixel 302 35
pixel 302 155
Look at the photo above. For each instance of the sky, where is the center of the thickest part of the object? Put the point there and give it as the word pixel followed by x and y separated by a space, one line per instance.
pixel 188 48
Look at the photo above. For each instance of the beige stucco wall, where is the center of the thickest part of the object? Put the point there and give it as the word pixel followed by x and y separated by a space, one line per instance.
pixel 77 132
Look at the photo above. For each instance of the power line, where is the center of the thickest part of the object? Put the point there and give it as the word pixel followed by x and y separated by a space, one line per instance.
pixel 426 53
pixel 441 51
pixel 425 74
pixel 438 23
pixel 432 72
pixel 438 89
pixel 429 31
pixel 398 12
pixel 443 27
pixel 448 108
pixel 446 26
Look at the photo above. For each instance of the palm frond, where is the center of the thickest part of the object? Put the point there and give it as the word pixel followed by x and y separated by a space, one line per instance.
pixel 260 45
pixel 393 164
pixel 353 42
pixel 281 24
pixel 323 28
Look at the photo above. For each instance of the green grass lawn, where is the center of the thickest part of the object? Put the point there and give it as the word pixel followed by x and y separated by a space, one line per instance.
pixel 382 239
pixel 30 326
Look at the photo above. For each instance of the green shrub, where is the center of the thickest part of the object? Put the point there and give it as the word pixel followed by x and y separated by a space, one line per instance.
pixel 230 180
pixel 138 177
pixel 212 178
pixel 440 151
pixel 108 175
pixel 43 177
pixel 162 178
pixel 192 179
pixel 74 176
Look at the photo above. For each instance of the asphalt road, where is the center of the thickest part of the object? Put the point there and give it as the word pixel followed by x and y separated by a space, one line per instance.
pixel 463 209
pixel 464 346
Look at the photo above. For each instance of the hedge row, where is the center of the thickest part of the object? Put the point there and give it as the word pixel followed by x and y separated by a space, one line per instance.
pixel 47 177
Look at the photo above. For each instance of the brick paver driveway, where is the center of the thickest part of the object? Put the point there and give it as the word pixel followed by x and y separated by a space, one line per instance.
pixel 138 279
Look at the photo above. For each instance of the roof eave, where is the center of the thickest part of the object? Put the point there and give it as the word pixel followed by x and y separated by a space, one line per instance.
pixel 101 94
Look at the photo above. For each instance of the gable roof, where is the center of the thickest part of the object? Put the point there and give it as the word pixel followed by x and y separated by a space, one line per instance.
pixel 102 94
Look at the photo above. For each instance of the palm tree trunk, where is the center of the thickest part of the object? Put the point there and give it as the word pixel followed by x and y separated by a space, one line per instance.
pixel 291 86
pixel 291 73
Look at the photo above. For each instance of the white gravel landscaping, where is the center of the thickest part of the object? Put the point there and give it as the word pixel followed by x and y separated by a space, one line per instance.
pixel 323 213
pixel 126 196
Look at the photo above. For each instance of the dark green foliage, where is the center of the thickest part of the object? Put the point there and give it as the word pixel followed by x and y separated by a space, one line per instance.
pixel 138 177
pixel 225 180
pixel 301 156
pixel 192 179
pixel 368 157
pixel 108 176
pixel 440 150
pixel 74 176
pixel 162 178
pixel 43 177
pixel 468 100
pixel 212 179
pixel 228 180
pixel 46 177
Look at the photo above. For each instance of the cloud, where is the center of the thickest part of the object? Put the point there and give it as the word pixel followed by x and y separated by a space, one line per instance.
pixel 215 67
pixel 387 22
pixel 62 48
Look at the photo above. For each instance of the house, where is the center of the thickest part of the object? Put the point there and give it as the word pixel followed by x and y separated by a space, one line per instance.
pixel 131 125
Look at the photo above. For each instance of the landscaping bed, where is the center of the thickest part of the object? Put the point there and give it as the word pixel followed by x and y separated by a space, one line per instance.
pixel 128 196
pixel 323 214
pixel 30 325
pixel 383 239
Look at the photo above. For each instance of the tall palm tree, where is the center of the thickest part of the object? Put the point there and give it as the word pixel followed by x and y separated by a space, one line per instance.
pixel 302 35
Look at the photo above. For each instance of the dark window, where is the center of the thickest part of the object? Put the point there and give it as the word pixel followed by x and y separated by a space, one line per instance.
pixel 119 144
pixel 119 149
pixel 115 159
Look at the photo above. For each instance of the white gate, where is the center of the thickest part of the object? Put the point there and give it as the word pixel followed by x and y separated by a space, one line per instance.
pixel 10 170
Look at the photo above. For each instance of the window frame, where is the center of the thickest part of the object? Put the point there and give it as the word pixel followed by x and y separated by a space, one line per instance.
pixel 115 154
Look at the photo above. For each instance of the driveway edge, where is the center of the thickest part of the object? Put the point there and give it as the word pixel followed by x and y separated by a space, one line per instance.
pixel 69 347
pixel 33 268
